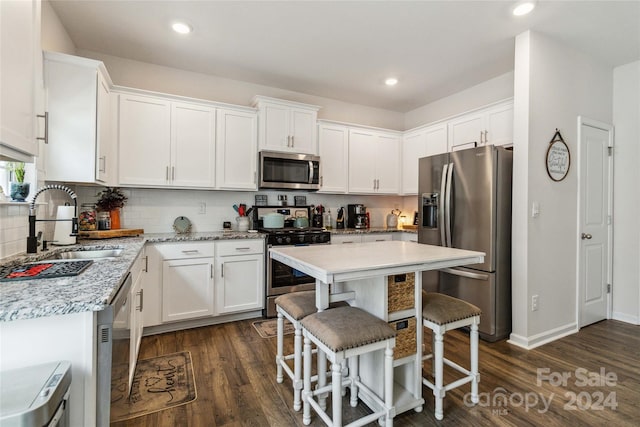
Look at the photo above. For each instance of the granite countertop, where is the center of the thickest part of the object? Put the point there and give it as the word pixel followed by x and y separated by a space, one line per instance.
pixel 94 288
pixel 371 230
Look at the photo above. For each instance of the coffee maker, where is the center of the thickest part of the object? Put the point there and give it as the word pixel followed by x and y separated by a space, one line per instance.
pixel 356 216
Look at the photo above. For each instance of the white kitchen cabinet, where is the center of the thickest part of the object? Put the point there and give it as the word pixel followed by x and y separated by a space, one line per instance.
pixel 491 125
pixel 406 237
pixel 377 237
pixel 193 151
pixel 136 311
pixel 164 143
pixel 360 238
pixel 236 150
pixel 20 57
pixel 373 162
pixel 286 126
pixel 423 142
pixel 333 148
pixel 187 280
pixel 144 140
pixel 239 279
pixel 81 147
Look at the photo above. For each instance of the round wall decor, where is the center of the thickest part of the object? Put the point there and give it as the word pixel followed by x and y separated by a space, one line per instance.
pixel 558 158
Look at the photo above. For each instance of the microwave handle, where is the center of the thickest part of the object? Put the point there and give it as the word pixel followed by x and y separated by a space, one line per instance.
pixel 310 172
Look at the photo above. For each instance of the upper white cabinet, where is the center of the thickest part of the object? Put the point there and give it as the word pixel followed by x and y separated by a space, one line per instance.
pixel 492 125
pixel 164 143
pixel 236 159
pixel 286 126
pixel 419 143
pixel 81 147
pixel 333 148
pixel 20 57
pixel 144 140
pixel 169 143
pixel 373 162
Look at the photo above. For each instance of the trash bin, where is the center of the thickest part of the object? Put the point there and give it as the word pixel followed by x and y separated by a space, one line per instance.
pixel 35 396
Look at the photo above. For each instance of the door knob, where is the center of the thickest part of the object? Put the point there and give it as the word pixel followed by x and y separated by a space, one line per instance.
pixel 586 236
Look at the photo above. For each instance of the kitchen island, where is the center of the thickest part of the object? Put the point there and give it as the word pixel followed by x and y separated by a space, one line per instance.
pixel 359 272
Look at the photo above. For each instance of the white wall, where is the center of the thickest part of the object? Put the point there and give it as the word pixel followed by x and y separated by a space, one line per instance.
pixel 477 96
pixel 141 75
pixel 626 197
pixel 53 34
pixel 562 85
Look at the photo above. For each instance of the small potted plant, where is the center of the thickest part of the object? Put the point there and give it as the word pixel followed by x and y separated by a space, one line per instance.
pixel 19 188
pixel 111 199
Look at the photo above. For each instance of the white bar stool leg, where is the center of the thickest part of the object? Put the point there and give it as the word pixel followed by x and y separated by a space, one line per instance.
pixel 306 407
pixel 336 393
pixel 388 384
pixel 473 338
pixel 438 355
pixel 297 367
pixel 353 377
pixel 280 347
pixel 322 377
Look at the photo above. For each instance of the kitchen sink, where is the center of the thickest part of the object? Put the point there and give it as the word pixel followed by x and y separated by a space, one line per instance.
pixel 95 254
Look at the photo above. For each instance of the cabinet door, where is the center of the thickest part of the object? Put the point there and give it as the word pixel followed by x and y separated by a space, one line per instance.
pixel 362 157
pixel 302 129
pixel 237 150
pixel 193 151
pixel 465 131
pixel 19 45
pixel 333 149
pixel 499 124
pixel 239 283
pixel 338 239
pixel 414 146
pixel 387 164
pixel 135 316
pixel 144 140
pixel 377 237
pixel 104 161
pixel 187 288
pixel 274 127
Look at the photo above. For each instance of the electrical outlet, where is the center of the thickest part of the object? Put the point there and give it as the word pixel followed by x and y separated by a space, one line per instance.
pixel 534 303
pixel 203 208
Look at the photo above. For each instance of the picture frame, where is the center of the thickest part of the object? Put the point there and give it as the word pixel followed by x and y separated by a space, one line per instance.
pixel 558 158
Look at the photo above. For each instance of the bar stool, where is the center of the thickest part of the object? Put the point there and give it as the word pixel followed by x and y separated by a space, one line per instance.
pixel 442 313
pixel 340 334
pixel 294 307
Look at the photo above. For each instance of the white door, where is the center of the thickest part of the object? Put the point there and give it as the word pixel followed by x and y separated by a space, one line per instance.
pixel 236 147
pixel 387 164
pixel 594 221
pixel 303 135
pixel 333 149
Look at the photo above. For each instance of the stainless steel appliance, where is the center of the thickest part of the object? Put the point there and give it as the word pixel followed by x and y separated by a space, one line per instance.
pixel 289 171
pixel 280 278
pixel 114 343
pixel 465 202
pixel 356 216
pixel 36 396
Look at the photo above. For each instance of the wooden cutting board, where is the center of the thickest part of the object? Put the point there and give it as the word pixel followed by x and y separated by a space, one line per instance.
pixel 108 234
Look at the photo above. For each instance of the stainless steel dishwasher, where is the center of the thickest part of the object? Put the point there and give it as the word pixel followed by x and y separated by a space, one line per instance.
pixel 35 396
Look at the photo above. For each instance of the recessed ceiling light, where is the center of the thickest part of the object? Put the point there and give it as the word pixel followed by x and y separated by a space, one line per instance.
pixel 523 7
pixel 181 28
pixel 391 81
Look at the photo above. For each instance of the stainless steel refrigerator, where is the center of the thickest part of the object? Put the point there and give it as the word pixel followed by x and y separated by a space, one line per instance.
pixel 465 202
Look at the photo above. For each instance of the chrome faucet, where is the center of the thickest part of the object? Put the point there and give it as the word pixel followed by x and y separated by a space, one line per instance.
pixel 32 240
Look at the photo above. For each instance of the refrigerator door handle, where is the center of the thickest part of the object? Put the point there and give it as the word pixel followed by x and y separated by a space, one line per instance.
pixel 441 203
pixel 468 274
pixel 448 206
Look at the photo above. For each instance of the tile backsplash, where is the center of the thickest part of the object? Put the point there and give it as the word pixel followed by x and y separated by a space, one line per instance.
pixel 14 227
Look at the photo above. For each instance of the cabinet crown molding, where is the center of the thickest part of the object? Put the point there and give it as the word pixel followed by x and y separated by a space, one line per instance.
pixel 261 98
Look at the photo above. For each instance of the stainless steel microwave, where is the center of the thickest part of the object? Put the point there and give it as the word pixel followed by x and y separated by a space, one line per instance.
pixel 289 171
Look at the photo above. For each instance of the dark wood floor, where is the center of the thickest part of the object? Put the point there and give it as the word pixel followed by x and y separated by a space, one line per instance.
pixel 235 377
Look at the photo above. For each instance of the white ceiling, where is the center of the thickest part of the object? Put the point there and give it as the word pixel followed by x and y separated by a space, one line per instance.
pixel 343 49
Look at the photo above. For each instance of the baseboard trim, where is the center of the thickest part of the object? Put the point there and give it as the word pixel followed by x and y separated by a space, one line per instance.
pixel 529 343
pixel 196 323
pixel 627 318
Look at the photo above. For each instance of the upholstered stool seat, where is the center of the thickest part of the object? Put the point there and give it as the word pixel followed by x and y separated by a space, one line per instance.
pixel 344 333
pixel 294 306
pixel 442 313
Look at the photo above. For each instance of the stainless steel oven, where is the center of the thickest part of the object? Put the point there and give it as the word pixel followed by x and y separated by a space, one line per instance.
pixel 281 278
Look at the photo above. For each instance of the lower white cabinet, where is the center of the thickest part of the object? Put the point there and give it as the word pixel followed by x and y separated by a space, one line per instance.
pixel 239 268
pixel 377 237
pixel 135 312
pixel 199 280
pixel 338 239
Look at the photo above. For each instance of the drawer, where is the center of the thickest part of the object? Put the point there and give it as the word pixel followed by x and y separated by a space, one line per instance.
pixel 185 250
pixel 345 238
pixel 377 237
pixel 239 247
